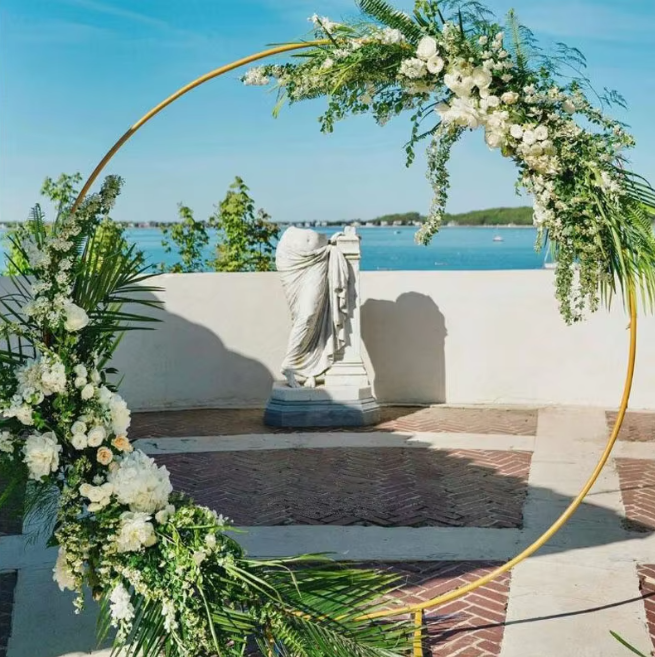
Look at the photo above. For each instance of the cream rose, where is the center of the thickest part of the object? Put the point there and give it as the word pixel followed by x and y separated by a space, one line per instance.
pixel 104 456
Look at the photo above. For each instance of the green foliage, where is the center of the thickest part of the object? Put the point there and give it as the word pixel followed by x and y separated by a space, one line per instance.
pixel 624 643
pixel 245 237
pixel 189 238
pixel 521 216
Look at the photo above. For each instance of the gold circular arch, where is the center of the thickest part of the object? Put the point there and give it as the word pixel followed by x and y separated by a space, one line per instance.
pixel 416 610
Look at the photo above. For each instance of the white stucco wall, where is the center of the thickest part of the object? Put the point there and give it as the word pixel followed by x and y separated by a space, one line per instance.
pixel 460 337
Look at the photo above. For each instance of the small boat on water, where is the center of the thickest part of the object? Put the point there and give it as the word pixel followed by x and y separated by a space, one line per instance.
pixel 498 238
pixel 398 232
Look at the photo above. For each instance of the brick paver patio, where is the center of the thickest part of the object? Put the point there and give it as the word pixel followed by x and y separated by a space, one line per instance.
pixel 228 422
pixel 636 427
pixel 637 478
pixel 388 487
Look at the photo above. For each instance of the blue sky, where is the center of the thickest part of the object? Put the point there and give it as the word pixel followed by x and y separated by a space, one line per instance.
pixel 76 73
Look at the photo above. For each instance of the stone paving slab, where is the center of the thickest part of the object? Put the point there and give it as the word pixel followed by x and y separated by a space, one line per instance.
pixel 637 426
pixel 637 481
pixel 385 487
pixel 227 422
pixel 7 586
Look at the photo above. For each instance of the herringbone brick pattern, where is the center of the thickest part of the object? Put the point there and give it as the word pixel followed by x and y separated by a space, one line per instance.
pixel 388 487
pixel 636 427
pixel 228 422
pixel 469 627
pixel 7 586
pixel 637 480
pixel 647 588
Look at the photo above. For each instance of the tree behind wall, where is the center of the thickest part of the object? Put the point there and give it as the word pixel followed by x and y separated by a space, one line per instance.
pixel 246 237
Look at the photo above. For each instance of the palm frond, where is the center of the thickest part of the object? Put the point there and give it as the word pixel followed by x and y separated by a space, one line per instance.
pixel 388 15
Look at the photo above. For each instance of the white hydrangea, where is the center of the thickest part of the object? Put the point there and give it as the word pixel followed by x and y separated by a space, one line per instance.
pixel 413 68
pixel 122 610
pixel 41 454
pixel 62 573
pixel 140 483
pixel 135 532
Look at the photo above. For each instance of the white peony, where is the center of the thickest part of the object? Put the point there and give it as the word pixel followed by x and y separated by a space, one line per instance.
pixel 135 532
pixel 96 436
pixel 427 48
pixel 76 317
pixel 516 131
pixel 120 606
pixel 41 452
pixel 435 65
pixel 541 132
pixel 88 391
pixel 459 84
pixel 62 573
pixel 481 77
pixel 6 442
pixel 509 97
pixel 140 483
pixel 413 68
pixel 79 441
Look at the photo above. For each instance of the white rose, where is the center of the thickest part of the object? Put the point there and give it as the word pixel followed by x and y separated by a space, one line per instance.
pixel 493 101
pixel 568 106
pixel 435 65
pixel 509 97
pixel 80 382
pixel 481 77
pixel 96 436
pixel 529 137
pixel 516 131
pixel 79 441
pixel 136 531
pixel 541 132
pixel 41 454
pixel 427 48
pixel 483 40
pixel 88 391
pixel 80 371
pixel 76 318
pixel 95 377
pixel 78 427
pixel 105 395
pixel 494 139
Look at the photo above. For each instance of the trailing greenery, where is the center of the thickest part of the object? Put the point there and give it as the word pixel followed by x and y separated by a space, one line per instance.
pixel 454 67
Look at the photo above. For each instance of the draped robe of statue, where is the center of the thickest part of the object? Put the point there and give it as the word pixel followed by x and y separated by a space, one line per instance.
pixel 314 275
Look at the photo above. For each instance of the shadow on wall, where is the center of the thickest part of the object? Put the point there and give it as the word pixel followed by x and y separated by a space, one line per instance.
pixel 156 365
pixel 405 340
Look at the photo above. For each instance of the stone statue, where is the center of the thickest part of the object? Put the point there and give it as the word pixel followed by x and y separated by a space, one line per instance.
pixel 314 275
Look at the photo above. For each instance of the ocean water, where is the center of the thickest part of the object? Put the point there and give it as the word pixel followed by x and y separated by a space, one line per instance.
pixel 393 248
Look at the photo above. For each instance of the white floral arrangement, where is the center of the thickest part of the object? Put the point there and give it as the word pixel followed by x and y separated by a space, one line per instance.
pixel 169 578
pixel 453 64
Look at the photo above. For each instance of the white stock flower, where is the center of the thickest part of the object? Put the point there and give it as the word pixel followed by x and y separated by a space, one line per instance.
pixel 41 453
pixel 140 483
pixel 413 68
pixel 88 391
pixel 120 415
pixel 96 436
pixel 62 573
pixel 76 317
pixel 509 97
pixel 79 441
pixel 135 532
pixel 256 77
pixel 427 48
pixel 121 608
pixel 6 442
pixel 435 65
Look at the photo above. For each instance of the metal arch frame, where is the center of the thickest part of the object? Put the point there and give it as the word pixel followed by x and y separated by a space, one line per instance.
pixel 416 610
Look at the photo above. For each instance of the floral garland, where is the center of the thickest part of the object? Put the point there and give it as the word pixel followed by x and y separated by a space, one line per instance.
pixel 466 74
pixel 169 578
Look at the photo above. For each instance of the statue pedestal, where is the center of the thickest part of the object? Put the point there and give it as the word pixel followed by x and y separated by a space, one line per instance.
pixel 345 399
pixel 336 406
